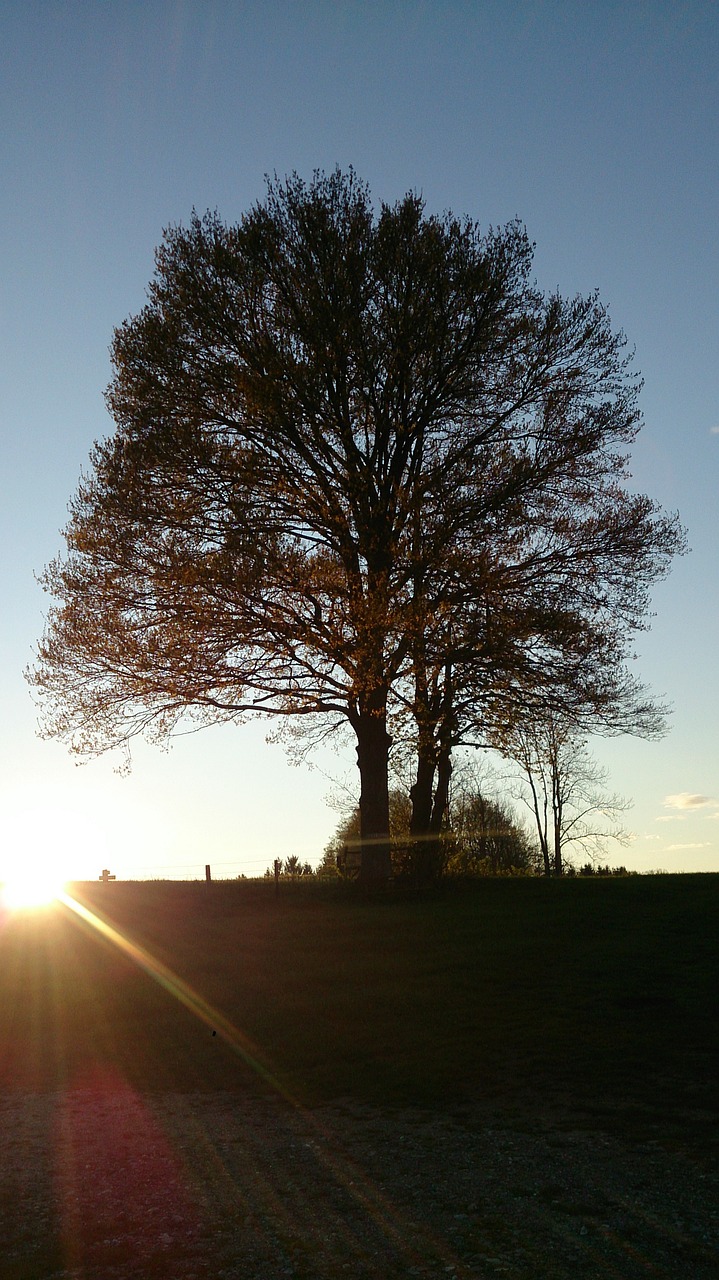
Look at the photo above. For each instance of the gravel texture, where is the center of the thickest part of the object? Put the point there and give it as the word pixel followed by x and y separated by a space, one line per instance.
pixel 103 1184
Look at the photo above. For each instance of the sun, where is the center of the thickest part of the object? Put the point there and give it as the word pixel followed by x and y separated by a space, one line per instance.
pixel 34 877
pixel 43 843
pixel 27 889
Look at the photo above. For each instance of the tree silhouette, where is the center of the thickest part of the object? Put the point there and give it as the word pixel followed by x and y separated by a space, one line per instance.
pixel 565 791
pixel 363 473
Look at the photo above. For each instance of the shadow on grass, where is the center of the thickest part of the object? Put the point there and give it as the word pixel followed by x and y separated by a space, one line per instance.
pixel 598 993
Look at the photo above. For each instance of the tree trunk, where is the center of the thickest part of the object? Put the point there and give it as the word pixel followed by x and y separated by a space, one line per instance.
pixel 444 775
pixel 420 827
pixel 433 861
pixel 558 864
pixel 373 744
pixel 429 802
pixel 421 794
pixel 429 805
pixel 558 824
pixel 441 795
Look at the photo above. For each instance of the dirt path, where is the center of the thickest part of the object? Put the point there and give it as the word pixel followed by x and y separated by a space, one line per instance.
pixel 103 1184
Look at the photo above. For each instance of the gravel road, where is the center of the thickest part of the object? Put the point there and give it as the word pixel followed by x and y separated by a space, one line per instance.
pixel 100 1183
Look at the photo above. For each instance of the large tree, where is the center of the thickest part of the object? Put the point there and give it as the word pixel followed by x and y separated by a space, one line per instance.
pixel 361 468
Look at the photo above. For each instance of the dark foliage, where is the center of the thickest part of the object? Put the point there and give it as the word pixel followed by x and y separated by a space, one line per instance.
pixel 363 472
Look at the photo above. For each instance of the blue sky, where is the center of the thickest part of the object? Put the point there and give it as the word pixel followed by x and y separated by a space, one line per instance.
pixel 597 125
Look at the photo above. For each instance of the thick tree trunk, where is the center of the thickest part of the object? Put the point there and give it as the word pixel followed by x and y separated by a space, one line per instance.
pixel 433 861
pixel 429 804
pixel 430 799
pixel 373 744
pixel 421 794
pixel 420 827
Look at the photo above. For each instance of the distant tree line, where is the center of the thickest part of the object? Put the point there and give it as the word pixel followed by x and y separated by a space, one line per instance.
pixel 290 868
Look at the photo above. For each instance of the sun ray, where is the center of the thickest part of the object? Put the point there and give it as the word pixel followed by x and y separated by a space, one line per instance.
pixel 387 1216
pixel 182 991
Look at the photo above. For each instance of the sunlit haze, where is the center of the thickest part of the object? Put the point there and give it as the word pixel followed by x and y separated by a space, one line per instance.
pixel 596 125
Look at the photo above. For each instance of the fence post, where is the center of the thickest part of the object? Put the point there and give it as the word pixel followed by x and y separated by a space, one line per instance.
pixel 208 873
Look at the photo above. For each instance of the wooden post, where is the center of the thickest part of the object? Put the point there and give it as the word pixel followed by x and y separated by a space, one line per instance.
pixel 105 876
pixel 208 873
pixel 277 866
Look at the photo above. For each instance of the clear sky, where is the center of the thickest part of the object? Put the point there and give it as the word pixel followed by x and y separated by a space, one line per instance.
pixel 596 124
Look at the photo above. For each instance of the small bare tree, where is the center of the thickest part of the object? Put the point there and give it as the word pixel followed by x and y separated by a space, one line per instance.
pixel 564 789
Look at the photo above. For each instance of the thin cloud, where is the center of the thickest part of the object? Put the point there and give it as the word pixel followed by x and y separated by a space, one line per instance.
pixel 702 844
pixel 688 800
pixel 714 431
pixel 671 817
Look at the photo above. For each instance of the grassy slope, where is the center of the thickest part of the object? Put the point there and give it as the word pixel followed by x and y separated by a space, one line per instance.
pixel 599 992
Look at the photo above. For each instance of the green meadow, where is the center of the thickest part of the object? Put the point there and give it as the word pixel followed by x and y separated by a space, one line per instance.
pixel 598 995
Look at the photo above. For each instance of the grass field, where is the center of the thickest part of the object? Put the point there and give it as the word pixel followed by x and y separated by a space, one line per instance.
pixel 523 1077
pixel 600 993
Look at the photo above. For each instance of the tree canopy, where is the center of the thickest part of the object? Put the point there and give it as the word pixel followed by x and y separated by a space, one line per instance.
pixel 363 472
